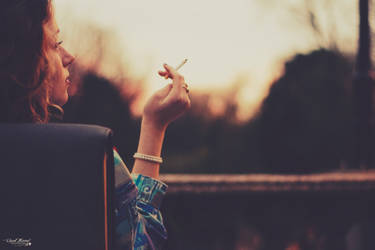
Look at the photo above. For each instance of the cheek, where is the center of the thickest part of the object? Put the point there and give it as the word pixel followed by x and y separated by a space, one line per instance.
pixel 57 70
pixel 55 65
pixel 59 86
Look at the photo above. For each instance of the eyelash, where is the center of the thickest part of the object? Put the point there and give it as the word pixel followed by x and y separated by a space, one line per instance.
pixel 58 44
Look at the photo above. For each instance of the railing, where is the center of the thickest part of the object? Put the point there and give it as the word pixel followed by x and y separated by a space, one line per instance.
pixel 263 211
pixel 335 181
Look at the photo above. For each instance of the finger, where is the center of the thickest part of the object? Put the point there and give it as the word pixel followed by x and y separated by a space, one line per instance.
pixel 163 73
pixel 171 71
pixel 178 80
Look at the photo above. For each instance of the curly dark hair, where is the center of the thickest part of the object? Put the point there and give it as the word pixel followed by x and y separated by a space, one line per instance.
pixel 24 68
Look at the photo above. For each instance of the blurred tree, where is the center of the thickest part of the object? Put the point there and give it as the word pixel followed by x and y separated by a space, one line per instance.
pixel 306 120
pixel 202 142
pixel 101 103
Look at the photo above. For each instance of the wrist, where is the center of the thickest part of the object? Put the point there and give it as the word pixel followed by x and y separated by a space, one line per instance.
pixel 151 138
pixel 150 143
pixel 152 126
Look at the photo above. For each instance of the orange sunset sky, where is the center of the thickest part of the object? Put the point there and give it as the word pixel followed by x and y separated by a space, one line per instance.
pixel 227 43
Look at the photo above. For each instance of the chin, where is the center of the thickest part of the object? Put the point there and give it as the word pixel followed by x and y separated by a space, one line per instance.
pixel 63 100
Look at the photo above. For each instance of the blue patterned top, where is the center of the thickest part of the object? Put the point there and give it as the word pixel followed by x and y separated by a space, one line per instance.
pixel 139 224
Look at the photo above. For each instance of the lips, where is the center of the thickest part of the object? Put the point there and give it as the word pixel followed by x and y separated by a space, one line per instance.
pixel 68 80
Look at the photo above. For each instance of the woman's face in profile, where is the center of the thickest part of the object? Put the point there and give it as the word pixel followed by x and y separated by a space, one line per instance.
pixel 59 59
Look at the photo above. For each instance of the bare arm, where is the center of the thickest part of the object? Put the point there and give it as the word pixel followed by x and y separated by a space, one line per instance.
pixel 150 143
pixel 163 107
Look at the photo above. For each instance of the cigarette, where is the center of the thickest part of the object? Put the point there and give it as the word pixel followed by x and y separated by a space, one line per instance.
pixel 181 64
pixel 178 67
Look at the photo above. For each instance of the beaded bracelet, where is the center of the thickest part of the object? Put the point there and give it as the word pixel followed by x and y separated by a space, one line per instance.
pixel 150 158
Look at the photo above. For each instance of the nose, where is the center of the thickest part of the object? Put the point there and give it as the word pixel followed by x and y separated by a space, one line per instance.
pixel 67 58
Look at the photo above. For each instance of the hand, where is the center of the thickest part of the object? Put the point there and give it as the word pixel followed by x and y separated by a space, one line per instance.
pixel 170 102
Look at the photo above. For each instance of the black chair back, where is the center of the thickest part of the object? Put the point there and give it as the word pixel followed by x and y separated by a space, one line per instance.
pixel 56 187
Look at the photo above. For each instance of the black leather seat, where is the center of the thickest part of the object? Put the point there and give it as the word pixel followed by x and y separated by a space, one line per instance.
pixel 56 187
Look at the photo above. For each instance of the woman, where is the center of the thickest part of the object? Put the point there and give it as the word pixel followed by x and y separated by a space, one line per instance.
pixel 34 82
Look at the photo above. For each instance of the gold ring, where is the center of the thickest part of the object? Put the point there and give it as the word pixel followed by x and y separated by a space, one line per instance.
pixel 186 87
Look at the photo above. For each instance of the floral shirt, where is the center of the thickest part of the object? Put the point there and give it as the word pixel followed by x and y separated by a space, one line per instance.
pixel 139 224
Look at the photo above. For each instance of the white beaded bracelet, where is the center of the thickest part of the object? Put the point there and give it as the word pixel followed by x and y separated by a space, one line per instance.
pixel 150 158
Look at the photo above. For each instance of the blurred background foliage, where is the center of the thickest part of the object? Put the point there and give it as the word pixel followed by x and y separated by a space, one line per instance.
pixel 304 123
